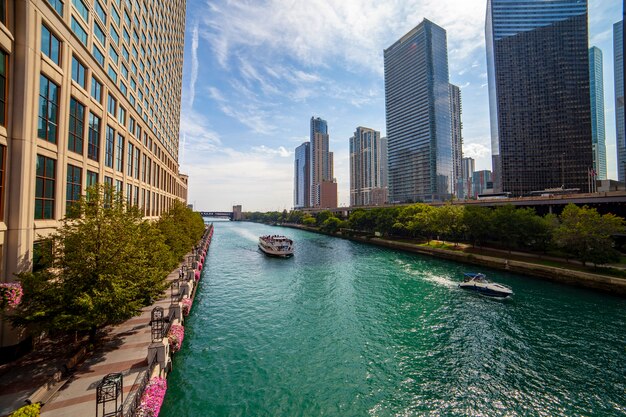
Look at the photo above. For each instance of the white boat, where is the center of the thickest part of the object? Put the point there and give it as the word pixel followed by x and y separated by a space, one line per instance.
pixel 275 245
pixel 479 283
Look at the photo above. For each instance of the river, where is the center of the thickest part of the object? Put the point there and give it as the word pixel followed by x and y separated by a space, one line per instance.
pixel 348 329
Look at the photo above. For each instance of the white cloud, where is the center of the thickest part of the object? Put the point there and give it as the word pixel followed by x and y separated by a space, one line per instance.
pixel 475 150
pixel 280 151
pixel 194 65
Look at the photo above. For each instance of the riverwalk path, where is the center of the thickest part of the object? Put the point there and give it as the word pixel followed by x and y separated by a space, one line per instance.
pixel 124 349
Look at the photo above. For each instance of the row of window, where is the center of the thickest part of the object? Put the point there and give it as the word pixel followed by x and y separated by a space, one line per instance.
pixel 46 184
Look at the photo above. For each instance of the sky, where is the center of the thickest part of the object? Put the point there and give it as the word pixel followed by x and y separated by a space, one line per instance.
pixel 255 71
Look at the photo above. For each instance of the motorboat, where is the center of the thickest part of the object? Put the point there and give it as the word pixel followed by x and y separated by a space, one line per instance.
pixel 479 283
pixel 275 245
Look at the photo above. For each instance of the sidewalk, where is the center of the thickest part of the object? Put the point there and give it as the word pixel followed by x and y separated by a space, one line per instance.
pixel 124 349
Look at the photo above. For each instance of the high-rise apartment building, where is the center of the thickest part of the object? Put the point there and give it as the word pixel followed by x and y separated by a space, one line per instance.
pixel 321 166
pixel 89 93
pixel 596 87
pixel 457 138
pixel 481 182
pixel 367 177
pixel 620 120
pixel 466 177
pixel 302 175
pixel 417 106
pixel 539 99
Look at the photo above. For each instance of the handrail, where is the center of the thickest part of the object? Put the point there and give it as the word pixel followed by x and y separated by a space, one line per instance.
pixel 133 401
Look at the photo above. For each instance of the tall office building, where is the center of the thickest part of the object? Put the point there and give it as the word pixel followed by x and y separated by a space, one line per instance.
pixel 539 99
pixel 417 107
pixel 366 168
pixel 596 87
pixel 89 93
pixel 302 172
pixel 457 138
pixel 620 120
pixel 481 182
pixel 467 175
pixel 321 166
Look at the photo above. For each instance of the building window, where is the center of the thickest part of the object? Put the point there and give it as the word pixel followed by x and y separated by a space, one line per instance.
pixel 82 9
pixel 50 45
pixel 114 35
pixel 74 188
pixel 100 11
pixel 97 30
pixel 78 30
pixel 109 147
pixel 48 110
pixel 98 55
pixel 57 5
pixel 129 194
pixel 119 185
pixel 119 153
pixel 112 105
pixel 93 147
pixel 3 12
pixel 96 89
pixel 121 116
pixel 113 55
pixel 77 126
pixel 115 16
pixel 4 58
pixel 129 160
pixel 92 178
pixel 44 190
pixel 112 73
pixel 3 152
pixel 79 72
pixel 136 163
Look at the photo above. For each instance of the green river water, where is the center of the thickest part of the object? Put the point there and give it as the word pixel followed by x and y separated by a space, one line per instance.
pixel 347 329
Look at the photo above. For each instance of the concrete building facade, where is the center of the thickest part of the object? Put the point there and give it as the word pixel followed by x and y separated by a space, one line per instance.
pixel 321 162
pixel 417 108
pixel 90 93
pixel 367 177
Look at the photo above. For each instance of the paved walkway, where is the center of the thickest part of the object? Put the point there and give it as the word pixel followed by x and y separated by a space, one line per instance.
pixel 124 349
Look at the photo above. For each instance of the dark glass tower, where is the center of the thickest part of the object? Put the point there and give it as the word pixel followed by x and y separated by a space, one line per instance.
pixel 417 106
pixel 302 176
pixel 538 75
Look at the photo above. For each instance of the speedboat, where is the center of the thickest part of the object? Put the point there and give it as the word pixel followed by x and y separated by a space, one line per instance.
pixel 275 245
pixel 479 283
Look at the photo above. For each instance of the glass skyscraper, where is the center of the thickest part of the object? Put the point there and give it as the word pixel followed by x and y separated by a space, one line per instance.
pixel 538 76
pixel 457 139
pixel 302 175
pixel 367 176
pixel 618 57
pixel 596 86
pixel 417 106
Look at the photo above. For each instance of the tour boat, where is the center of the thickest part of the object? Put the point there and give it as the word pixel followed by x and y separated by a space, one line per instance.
pixel 275 245
pixel 479 283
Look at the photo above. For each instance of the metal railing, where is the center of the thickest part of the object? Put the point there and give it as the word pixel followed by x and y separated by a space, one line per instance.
pixel 131 405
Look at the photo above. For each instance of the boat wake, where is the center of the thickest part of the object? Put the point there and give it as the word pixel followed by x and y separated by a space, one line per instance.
pixel 248 235
pixel 427 276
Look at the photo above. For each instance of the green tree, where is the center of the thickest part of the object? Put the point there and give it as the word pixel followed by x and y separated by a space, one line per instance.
pixel 332 225
pixel 108 262
pixel 448 221
pixel 322 216
pixel 181 229
pixel 478 223
pixel 308 220
pixel 586 235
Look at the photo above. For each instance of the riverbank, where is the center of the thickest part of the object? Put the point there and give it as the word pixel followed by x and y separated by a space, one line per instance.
pixel 607 283
pixel 129 350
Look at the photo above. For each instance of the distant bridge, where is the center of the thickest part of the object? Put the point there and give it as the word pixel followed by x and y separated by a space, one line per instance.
pixel 223 214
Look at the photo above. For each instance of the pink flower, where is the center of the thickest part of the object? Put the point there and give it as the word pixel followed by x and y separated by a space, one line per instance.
pixel 186 306
pixel 175 337
pixel 152 397
pixel 10 294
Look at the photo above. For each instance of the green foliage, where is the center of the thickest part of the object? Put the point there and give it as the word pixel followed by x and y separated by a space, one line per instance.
pixel 31 410
pixel 448 221
pixel 308 221
pixel 478 223
pixel 322 216
pixel 181 229
pixel 295 216
pixel 108 263
pixel 586 235
pixel 332 225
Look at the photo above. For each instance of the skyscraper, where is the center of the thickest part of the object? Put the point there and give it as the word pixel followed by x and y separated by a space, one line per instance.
pixel 84 102
pixel 596 87
pixel 467 176
pixel 620 128
pixel 417 107
pixel 367 152
pixel 321 166
pixel 457 138
pixel 302 176
pixel 539 99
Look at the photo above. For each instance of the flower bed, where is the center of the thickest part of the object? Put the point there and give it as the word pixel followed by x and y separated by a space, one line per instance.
pixel 186 306
pixel 31 410
pixel 152 398
pixel 10 294
pixel 175 337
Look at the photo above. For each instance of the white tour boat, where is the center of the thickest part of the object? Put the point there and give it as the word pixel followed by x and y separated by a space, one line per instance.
pixel 479 283
pixel 275 245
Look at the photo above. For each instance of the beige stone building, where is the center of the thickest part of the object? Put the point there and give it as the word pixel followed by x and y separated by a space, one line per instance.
pixel 90 92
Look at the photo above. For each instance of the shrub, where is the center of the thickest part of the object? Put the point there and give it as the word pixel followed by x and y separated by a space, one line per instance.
pixel 31 410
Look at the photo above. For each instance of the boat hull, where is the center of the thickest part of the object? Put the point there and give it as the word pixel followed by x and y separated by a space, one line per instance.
pixel 487 290
pixel 275 254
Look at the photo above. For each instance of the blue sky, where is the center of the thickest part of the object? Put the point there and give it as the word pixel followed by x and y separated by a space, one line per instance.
pixel 255 72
